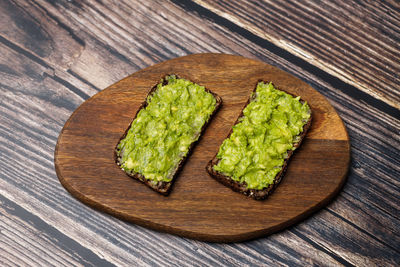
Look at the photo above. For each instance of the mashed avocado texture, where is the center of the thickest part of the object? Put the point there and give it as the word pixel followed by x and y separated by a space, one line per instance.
pixel 161 134
pixel 255 151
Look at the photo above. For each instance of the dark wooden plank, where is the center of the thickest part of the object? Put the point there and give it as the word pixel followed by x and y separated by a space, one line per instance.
pixel 85 164
pixel 22 231
pixel 329 225
pixel 327 34
pixel 35 106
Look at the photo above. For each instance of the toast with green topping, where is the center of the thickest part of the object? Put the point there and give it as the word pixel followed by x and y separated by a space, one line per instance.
pixel 254 157
pixel 164 131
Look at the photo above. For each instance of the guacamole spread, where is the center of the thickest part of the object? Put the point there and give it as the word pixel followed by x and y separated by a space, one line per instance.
pixel 270 126
pixel 162 132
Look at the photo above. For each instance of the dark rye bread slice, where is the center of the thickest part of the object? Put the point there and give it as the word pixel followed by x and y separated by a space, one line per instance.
pixel 242 187
pixel 162 187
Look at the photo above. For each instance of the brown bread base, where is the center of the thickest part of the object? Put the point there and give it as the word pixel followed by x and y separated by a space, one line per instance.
pixel 242 187
pixel 164 187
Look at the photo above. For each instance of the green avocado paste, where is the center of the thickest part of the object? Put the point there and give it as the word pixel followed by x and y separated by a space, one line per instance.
pixel 257 147
pixel 162 132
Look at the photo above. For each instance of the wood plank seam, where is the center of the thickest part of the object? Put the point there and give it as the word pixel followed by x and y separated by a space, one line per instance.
pixel 360 229
pixel 82 252
pixel 322 248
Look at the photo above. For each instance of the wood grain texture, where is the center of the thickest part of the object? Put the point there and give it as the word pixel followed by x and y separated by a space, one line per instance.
pixel 22 231
pixel 37 96
pixel 85 164
pixel 327 34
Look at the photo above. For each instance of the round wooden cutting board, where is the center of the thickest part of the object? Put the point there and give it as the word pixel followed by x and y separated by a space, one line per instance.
pixel 199 207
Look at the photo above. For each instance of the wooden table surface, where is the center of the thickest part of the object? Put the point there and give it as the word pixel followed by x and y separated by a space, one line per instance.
pixel 56 54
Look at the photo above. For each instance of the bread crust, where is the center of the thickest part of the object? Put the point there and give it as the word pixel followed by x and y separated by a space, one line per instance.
pixel 162 187
pixel 242 187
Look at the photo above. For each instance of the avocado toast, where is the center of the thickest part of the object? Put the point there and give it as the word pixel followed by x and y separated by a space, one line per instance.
pixel 164 131
pixel 253 158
